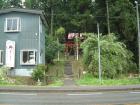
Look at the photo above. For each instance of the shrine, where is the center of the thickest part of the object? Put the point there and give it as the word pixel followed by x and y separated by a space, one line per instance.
pixel 72 44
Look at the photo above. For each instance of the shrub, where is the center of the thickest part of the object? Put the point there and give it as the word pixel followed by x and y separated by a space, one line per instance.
pixel 3 73
pixel 115 58
pixel 51 49
pixel 39 72
pixel 4 79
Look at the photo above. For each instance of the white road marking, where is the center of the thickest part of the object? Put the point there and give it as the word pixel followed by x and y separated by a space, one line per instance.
pixel 84 94
pixel 134 92
pixel 22 94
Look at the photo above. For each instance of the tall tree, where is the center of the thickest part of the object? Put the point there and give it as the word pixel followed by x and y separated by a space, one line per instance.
pixel 15 3
pixel 1 4
pixel 33 4
pixel 82 16
pixel 122 20
pixel 125 19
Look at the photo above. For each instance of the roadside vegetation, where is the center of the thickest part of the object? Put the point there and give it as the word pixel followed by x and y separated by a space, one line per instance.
pixel 90 80
pixel 119 51
pixel 50 74
pixel 116 59
pixel 52 77
pixel 117 62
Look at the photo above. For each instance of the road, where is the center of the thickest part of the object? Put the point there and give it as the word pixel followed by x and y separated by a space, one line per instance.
pixel 95 98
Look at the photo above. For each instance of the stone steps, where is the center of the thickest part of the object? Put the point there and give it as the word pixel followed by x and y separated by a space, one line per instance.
pixel 68 75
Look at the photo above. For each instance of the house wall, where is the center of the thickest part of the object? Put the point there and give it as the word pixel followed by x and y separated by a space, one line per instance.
pixel 27 38
pixel 42 42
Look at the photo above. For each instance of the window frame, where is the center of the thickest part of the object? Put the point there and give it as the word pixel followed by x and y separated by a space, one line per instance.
pixel 27 50
pixel 18 27
pixel 1 57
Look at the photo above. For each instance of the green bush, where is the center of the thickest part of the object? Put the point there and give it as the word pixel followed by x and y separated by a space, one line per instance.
pixel 115 58
pixel 3 73
pixel 51 48
pixel 4 79
pixel 39 72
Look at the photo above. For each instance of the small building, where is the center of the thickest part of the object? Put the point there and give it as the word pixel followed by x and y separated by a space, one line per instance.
pixel 22 40
pixel 72 47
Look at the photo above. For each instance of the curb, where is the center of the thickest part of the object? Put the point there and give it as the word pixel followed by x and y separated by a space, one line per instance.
pixel 70 89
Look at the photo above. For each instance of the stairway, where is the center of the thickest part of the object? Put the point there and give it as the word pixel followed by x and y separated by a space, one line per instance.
pixel 68 69
pixel 68 75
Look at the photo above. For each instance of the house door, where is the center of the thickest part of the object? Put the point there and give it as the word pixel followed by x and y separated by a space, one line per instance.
pixel 10 53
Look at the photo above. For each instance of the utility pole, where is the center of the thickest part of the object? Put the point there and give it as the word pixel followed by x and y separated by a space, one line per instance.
pixel 108 23
pixel 77 48
pixel 138 26
pixel 58 53
pixel 99 54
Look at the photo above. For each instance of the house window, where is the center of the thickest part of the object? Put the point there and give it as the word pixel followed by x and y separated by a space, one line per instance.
pixel 12 24
pixel 1 57
pixel 28 57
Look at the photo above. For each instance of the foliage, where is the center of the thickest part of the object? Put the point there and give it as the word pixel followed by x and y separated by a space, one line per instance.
pixel 4 79
pixel 10 3
pixel 3 73
pixel 39 72
pixel 56 69
pixel 1 4
pixel 51 49
pixel 126 21
pixel 115 58
pixel 56 82
pixel 82 15
pixel 34 4
pixel 89 79
pixel 60 32
pixel 15 3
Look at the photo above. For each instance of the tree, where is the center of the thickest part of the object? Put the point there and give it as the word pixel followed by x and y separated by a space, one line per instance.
pixel 10 3
pixel 32 4
pixel 122 21
pixel 1 3
pixel 60 32
pixel 125 19
pixel 51 49
pixel 4 4
pixel 82 16
pixel 15 3
pixel 115 58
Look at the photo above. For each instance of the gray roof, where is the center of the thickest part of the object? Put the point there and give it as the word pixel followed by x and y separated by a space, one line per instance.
pixel 20 10
pixel 38 12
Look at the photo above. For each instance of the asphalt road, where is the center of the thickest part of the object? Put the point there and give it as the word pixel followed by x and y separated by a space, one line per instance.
pixel 95 98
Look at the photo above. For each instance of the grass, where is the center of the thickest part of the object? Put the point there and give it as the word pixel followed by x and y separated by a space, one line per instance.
pixel 77 68
pixel 56 83
pixel 4 83
pixel 90 80
pixel 56 69
pixel 55 73
pixel 16 81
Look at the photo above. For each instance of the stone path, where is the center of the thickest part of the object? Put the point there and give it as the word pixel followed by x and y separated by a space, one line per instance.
pixel 68 75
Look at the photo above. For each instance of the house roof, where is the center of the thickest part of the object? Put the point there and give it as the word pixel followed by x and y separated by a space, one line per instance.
pixel 20 10
pixel 23 10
